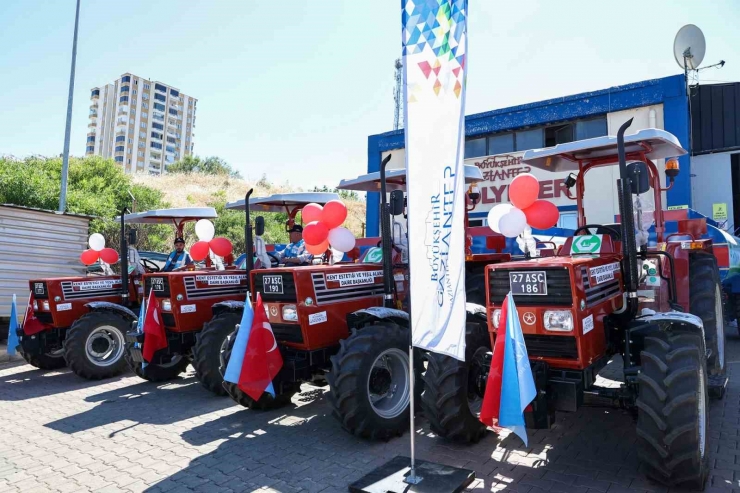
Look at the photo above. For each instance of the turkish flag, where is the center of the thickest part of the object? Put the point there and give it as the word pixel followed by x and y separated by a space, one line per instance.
pixel 491 406
pixel 262 360
pixel 31 324
pixel 155 337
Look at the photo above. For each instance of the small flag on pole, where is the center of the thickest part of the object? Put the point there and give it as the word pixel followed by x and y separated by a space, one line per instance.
pixel 234 368
pixel 510 387
pixel 13 328
pixel 31 324
pixel 261 360
pixel 155 337
pixel 140 327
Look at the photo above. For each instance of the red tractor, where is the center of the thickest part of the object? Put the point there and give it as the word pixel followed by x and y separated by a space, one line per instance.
pixel 656 303
pixel 195 306
pixel 84 319
pixel 347 322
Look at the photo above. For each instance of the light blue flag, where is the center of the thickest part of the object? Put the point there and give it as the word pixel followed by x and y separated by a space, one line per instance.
pixel 13 329
pixel 140 328
pixel 517 384
pixel 234 368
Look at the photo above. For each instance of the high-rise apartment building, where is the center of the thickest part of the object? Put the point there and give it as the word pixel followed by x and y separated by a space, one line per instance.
pixel 144 125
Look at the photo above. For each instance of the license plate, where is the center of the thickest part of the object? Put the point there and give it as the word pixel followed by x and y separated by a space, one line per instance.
pixel 532 283
pixel 157 284
pixel 273 284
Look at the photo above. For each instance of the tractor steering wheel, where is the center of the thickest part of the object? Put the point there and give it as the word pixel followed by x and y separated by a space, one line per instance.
pixel 615 234
pixel 149 266
pixel 274 262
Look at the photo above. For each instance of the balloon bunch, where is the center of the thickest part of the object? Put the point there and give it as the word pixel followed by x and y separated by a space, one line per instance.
pixel 323 228
pixel 205 231
pixel 97 251
pixel 525 209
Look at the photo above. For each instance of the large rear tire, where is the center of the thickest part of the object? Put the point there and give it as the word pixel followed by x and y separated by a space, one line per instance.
pixel 167 367
pixel 672 408
pixel 369 381
pixel 705 301
pixel 207 351
pixel 53 360
pixel 452 388
pixel 95 344
pixel 475 288
pixel 284 391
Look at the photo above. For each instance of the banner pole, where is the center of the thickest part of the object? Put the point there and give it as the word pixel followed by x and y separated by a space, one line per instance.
pixel 412 479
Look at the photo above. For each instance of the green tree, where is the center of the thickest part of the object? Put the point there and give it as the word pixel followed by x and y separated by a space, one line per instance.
pixel 343 194
pixel 210 166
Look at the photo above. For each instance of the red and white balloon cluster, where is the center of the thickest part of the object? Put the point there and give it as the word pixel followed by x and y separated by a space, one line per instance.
pixel 205 231
pixel 524 210
pixel 97 251
pixel 323 230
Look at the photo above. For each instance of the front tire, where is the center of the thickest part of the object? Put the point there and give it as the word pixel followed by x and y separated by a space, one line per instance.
pixel 672 408
pixel 94 346
pixel 452 388
pixel 369 381
pixel 207 351
pixel 53 360
pixel 167 367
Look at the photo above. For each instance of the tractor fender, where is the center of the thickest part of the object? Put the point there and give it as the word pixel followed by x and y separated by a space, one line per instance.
pixel 107 306
pixel 680 318
pixel 381 312
pixel 227 306
pixel 475 313
pixel 366 316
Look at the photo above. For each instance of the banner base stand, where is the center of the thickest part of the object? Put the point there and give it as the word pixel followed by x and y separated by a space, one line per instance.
pixel 391 478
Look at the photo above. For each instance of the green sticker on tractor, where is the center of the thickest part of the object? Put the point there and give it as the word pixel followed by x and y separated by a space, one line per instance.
pixel 586 244
pixel 374 255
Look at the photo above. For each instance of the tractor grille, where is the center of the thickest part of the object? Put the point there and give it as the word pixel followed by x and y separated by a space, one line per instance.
pixel 558 288
pixel 599 292
pixel 161 286
pixel 551 346
pixel 287 332
pixel 289 290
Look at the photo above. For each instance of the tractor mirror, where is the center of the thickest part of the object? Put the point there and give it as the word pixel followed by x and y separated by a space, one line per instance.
pixel 638 174
pixel 570 181
pixel 132 237
pixel 259 226
pixel 396 203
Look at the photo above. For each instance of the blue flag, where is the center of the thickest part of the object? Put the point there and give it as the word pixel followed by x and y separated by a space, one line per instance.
pixel 13 329
pixel 140 327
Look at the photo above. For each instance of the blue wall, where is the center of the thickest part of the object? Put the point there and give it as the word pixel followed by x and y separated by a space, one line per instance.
pixel 670 91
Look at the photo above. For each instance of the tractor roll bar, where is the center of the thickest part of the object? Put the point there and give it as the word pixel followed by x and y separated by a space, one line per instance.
pixel 249 264
pixel 124 261
pixel 385 232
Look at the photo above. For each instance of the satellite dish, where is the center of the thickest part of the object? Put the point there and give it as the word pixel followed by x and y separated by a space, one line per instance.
pixel 689 47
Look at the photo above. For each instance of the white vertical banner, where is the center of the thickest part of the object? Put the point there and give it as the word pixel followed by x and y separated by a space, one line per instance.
pixel 434 50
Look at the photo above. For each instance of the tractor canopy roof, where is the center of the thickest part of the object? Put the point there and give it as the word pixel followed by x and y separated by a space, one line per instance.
pixel 164 216
pixel 653 142
pixel 396 180
pixel 279 202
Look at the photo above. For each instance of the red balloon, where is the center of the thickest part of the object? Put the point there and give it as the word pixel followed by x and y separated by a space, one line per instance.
pixel 311 212
pixel 524 190
pixel 542 214
pixel 220 246
pixel 317 249
pixel 315 233
pixel 199 251
pixel 334 213
pixel 89 257
pixel 109 256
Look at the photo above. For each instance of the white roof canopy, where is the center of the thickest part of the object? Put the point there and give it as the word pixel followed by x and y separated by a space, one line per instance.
pixel 659 144
pixel 166 216
pixel 280 201
pixel 396 180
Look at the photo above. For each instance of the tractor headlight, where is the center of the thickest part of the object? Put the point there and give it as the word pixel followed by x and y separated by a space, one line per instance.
pixel 166 306
pixel 45 305
pixel 558 320
pixel 290 314
pixel 35 305
pixel 496 318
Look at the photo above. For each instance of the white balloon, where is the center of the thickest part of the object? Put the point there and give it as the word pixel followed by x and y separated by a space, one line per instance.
pixel 96 242
pixel 513 223
pixel 341 239
pixel 495 215
pixel 204 230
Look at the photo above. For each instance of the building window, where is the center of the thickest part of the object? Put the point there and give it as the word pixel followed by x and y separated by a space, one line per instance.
pixel 160 97
pixel 90 148
pixel 123 100
pixel 500 143
pixel 159 106
pixel 170 148
pixel 158 116
pixel 129 141
pixel 158 126
pixel 95 92
pixel 144 115
pixel 134 92
pixel 125 88
pixel 173 111
pixel 146 86
pixel 119 159
pixel 125 78
pixel 474 148
pixel 174 92
pixel 121 138
pixel 160 87
pixel 157 135
pixel 142 135
pixel 141 144
pixel 143 124
pixel 145 105
pixel 91 138
pixel 588 129
pixel 141 153
pixel 155 145
pixel 129 160
pixel 171 140
pixel 119 148
pixel 558 134
pixel 529 139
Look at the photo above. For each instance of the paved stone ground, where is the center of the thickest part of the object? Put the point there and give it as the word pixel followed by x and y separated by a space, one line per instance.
pixel 62 433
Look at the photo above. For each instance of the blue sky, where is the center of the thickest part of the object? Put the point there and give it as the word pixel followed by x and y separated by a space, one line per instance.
pixel 292 89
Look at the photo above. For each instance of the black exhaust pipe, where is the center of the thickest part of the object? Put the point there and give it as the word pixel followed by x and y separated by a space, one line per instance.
pixel 249 265
pixel 385 232
pixel 626 212
pixel 124 261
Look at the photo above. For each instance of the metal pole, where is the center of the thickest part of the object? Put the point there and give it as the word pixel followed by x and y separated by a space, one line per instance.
pixel 68 130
